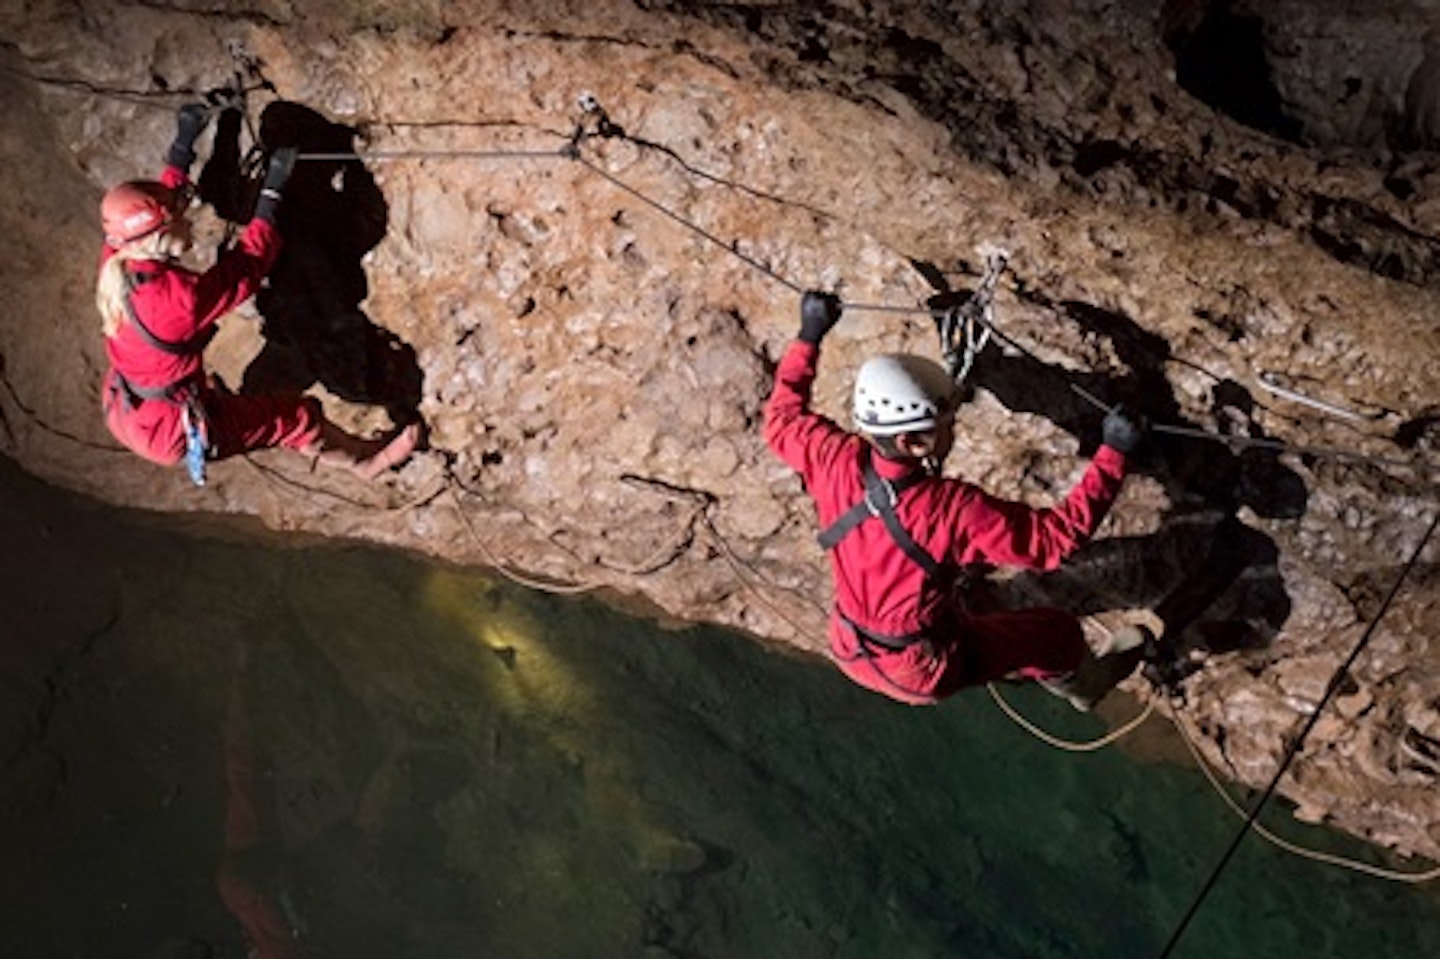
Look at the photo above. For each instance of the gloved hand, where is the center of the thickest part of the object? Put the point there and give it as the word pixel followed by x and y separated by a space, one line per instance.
pixel 1123 430
pixel 277 174
pixel 819 312
pixel 190 120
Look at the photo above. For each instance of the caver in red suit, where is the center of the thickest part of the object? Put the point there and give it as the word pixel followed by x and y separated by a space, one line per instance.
pixel 897 626
pixel 158 316
pixel 155 348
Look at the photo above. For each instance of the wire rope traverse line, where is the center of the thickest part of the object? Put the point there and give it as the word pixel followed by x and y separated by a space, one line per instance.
pixel 731 248
pixel 983 318
pixel 1298 742
pixel 418 154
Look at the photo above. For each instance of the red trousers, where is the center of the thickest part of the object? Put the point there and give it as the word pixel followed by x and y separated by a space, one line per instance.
pixel 1031 643
pixel 154 428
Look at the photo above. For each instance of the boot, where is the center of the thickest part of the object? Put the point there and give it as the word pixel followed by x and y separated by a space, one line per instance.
pixel 1097 674
pixel 366 458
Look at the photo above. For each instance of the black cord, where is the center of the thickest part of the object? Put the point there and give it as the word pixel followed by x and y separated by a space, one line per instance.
pixel 1335 680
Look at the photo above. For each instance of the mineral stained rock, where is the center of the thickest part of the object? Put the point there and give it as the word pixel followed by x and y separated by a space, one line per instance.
pixel 571 237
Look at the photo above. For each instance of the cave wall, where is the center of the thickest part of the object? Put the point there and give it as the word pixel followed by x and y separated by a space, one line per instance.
pixel 592 370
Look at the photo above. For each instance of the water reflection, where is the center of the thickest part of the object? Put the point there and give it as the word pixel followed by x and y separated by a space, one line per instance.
pixel 331 751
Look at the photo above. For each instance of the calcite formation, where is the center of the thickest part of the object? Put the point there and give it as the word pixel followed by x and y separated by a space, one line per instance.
pixel 571 237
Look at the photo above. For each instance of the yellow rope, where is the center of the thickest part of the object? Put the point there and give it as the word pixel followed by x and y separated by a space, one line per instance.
pixel 1066 744
pixel 518 578
pixel 1378 872
pixel 738 565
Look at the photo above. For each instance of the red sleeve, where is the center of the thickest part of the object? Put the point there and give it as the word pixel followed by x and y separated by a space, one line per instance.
pixel 802 439
pixel 235 277
pixel 1000 532
pixel 238 273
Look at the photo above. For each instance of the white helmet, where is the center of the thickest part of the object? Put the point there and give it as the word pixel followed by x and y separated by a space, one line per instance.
pixel 900 393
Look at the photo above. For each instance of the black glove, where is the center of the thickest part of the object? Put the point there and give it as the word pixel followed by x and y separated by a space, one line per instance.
pixel 190 120
pixel 819 312
pixel 277 174
pixel 1123 431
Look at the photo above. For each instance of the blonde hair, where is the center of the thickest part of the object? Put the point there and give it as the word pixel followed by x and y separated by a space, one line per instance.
pixel 112 289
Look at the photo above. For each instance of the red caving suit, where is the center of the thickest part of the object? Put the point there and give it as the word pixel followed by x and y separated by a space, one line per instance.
pixel 881 589
pixel 178 305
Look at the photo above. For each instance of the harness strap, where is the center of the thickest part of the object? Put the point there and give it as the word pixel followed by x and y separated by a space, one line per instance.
pixel 890 643
pixel 190 347
pixel 863 510
pixel 177 392
pixel 880 499
pixel 905 541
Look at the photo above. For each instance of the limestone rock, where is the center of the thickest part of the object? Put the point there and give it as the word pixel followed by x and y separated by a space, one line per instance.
pixel 591 339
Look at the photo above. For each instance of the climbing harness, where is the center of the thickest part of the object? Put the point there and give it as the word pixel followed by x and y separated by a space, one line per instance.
pixel 965 331
pixel 184 393
pixel 880 498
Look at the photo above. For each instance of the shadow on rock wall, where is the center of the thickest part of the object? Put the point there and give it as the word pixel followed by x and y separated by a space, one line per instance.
pixel 332 215
pixel 1213 580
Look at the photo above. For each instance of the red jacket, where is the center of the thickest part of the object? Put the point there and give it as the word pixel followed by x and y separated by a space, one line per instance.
pixel 876 585
pixel 178 305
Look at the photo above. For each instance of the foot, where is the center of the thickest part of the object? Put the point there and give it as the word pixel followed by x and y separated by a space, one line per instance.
pixel 391 455
pixel 1101 672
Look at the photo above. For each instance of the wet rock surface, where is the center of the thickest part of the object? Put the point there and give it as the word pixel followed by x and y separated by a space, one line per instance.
pixel 592 370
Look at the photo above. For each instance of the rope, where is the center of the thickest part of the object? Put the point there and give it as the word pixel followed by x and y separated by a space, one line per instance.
pixel 39 421
pixel 1185 431
pixel 1354 865
pixel 606 128
pixel 738 566
pixel 386 155
pixel 1272 383
pixel 961 362
pixel 520 579
pixel 1067 745
pixel 698 230
pixel 1250 441
pixel 277 478
pixel 1294 748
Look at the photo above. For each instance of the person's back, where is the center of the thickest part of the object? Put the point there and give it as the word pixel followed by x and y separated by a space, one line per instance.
pixel 898 533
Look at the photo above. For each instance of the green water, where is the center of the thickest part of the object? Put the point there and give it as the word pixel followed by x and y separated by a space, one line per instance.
pixel 446 766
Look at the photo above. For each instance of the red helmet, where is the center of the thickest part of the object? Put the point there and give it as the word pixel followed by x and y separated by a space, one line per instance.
pixel 134 209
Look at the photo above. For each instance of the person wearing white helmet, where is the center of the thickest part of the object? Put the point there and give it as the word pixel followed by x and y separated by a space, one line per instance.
pixel 898 533
pixel 157 317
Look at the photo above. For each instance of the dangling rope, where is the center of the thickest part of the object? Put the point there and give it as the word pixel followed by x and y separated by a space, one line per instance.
pixel 1293 749
pixel 965 331
pixel 1069 746
pixel 1354 865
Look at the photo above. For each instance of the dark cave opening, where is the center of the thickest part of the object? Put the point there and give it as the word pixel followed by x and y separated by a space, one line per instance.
pixel 1222 62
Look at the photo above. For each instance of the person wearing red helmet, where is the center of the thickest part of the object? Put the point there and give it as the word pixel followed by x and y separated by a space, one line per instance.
pixel 157 317
pixel 899 534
